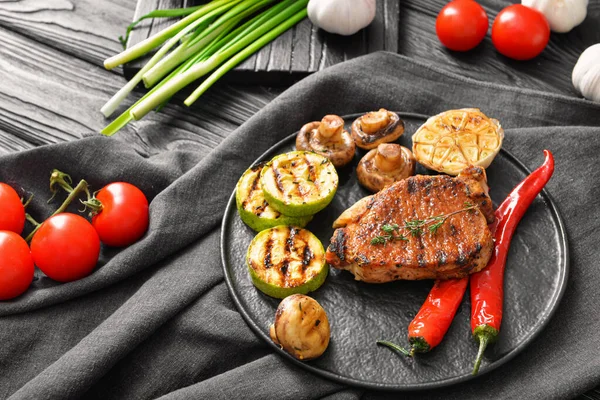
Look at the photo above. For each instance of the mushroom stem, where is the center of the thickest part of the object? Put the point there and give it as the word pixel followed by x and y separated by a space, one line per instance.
pixel 331 127
pixel 375 121
pixel 388 157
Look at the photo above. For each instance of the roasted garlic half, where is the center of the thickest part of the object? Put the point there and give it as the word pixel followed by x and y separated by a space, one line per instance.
pixel 376 127
pixel 386 164
pixel 327 138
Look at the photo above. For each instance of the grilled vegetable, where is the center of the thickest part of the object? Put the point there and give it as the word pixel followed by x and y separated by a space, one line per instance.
pixel 386 164
pixel 487 285
pixel 301 327
pixel 286 260
pixel 433 320
pixel 299 183
pixel 327 138
pixel 451 141
pixel 254 209
pixel 376 127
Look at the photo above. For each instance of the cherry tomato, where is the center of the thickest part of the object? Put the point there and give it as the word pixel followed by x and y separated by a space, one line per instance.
pixel 12 212
pixel 16 265
pixel 520 32
pixel 66 247
pixel 124 215
pixel 461 25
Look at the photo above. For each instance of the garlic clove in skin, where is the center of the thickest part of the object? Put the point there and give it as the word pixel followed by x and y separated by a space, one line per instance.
pixel 344 17
pixel 586 73
pixel 562 15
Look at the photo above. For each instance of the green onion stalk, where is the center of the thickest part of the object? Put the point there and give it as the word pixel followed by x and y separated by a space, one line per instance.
pixel 211 39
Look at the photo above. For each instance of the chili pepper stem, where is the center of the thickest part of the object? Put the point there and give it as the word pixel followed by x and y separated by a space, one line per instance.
pixel 483 342
pixel 397 348
pixel 484 334
pixel 82 186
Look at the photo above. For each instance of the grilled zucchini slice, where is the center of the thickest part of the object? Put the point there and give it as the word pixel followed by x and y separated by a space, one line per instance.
pixel 286 260
pixel 254 209
pixel 299 183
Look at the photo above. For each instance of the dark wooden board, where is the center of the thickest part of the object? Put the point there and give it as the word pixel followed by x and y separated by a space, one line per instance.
pixel 302 50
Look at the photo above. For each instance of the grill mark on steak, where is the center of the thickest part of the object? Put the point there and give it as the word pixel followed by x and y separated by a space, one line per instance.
pixel 421 260
pixel 441 257
pixel 462 258
pixel 463 244
pixel 453 230
pixel 411 185
pixel 361 259
pixel 337 245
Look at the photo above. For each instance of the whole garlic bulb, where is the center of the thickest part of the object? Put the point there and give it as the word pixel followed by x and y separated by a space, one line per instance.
pixel 344 17
pixel 562 15
pixel 586 73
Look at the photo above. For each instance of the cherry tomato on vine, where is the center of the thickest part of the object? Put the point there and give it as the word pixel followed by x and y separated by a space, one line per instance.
pixel 12 212
pixel 520 32
pixel 123 218
pixel 16 265
pixel 461 25
pixel 65 247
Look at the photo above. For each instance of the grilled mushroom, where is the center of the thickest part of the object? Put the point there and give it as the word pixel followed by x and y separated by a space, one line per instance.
pixel 301 327
pixel 327 138
pixel 376 127
pixel 386 164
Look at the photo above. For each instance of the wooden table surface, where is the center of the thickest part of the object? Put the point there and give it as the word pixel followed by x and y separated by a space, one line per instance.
pixel 53 82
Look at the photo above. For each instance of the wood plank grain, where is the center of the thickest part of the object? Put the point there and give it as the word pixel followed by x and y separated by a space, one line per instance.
pixel 292 55
pixel 551 71
pixel 49 98
pixel 87 29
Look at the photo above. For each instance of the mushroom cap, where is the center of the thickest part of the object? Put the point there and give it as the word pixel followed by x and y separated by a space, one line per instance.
pixel 389 133
pixel 386 164
pixel 301 327
pixel 339 148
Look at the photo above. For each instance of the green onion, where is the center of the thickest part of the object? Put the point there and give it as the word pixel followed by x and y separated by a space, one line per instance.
pixel 177 12
pixel 199 70
pixel 114 102
pixel 242 55
pixel 215 37
pixel 186 50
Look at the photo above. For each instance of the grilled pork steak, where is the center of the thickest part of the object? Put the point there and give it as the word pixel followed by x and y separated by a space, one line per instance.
pixel 461 245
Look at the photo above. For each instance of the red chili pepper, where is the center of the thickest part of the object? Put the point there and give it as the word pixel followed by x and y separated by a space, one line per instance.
pixel 432 321
pixel 487 285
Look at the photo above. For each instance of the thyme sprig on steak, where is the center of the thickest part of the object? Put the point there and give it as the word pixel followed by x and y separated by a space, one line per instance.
pixel 416 227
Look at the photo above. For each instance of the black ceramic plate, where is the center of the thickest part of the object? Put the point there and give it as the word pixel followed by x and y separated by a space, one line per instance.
pixel 361 313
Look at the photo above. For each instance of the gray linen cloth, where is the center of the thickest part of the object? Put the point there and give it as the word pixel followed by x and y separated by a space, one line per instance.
pixel 156 319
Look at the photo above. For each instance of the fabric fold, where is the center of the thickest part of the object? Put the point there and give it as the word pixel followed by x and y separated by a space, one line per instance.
pixel 155 319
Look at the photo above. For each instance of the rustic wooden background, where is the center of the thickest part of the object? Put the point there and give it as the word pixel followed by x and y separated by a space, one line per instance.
pixel 53 83
pixel 302 50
